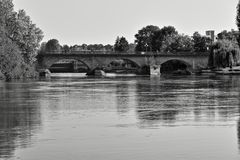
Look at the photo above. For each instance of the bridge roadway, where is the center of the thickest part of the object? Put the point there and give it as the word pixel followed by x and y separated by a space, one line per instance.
pixel 193 60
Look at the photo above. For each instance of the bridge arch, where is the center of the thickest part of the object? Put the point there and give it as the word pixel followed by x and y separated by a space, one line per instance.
pixel 132 62
pixel 52 61
pixel 123 64
pixel 172 65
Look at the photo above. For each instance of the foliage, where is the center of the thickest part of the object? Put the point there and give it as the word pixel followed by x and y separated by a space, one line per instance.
pixel 163 38
pixel 10 58
pixel 53 46
pixel 21 30
pixel 108 47
pixel 166 39
pixel 121 45
pixel 224 53
pixel 95 47
pixel 20 39
pixel 66 48
pixel 91 47
pixel 238 21
pixel 177 43
pixel 228 35
pixel 201 43
pixel 42 48
pixel 144 38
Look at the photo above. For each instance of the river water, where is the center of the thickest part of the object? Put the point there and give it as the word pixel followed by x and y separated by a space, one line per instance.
pixel 117 118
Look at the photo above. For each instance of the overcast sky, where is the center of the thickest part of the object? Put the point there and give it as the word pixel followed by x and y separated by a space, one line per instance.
pixel 101 21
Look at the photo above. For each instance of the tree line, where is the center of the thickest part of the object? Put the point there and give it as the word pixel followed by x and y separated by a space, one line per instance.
pixel 53 46
pixel 148 39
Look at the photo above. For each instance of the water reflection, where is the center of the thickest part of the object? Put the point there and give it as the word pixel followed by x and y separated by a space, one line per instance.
pixel 20 118
pixel 176 101
pixel 82 113
pixel 155 104
pixel 122 98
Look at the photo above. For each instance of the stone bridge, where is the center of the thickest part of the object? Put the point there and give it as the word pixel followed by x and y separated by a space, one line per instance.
pixel 193 61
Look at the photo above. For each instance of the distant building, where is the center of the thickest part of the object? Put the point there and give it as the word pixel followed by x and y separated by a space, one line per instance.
pixel 211 34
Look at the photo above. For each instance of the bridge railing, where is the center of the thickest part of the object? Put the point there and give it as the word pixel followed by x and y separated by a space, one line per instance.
pixel 124 53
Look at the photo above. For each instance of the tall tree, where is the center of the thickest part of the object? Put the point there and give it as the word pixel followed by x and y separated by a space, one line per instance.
pixel 121 45
pixel 21 34
pixel 144 38
pixel 24 33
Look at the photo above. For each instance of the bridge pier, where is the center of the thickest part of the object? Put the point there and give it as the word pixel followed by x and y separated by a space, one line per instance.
pixel 75 66
pixel 44 73
pixel 155 70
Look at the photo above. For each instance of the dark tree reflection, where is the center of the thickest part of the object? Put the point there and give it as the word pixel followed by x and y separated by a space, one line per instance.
pixel 188 100
pixel 152 105
pixel 20 117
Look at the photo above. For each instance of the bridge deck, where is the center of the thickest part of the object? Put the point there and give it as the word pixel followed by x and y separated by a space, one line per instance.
pixel 74 54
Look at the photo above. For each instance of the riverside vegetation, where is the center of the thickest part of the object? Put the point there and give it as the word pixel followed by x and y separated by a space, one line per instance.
pixel 20 43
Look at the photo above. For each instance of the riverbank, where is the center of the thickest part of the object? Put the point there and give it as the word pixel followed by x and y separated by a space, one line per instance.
pixel 224 71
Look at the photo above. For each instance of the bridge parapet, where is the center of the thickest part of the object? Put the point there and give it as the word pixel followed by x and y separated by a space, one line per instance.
pixel 87 52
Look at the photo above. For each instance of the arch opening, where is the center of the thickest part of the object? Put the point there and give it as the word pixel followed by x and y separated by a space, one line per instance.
pixel 123 66
pixel 175 66
pixel 68 66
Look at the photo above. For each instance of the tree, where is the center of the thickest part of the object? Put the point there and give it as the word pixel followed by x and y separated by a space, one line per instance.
pixel 20 41
pixel 53 46
pixel 121 45
pixel 224 53
pixel 228 35
pixel 84 46
pixel 238 21
pixel 177 43
pixel 144 38
pixel 66 48
pixel 108 47
pixel 24 33
pixel 201 43
pixel 95 47
pixel 163 38
pixel 11 59
pixel 42 48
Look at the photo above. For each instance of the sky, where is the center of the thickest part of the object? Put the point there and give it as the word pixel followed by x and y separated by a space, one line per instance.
pixel 101 21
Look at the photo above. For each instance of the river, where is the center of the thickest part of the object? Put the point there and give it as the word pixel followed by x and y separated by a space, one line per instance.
pixel 121 118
